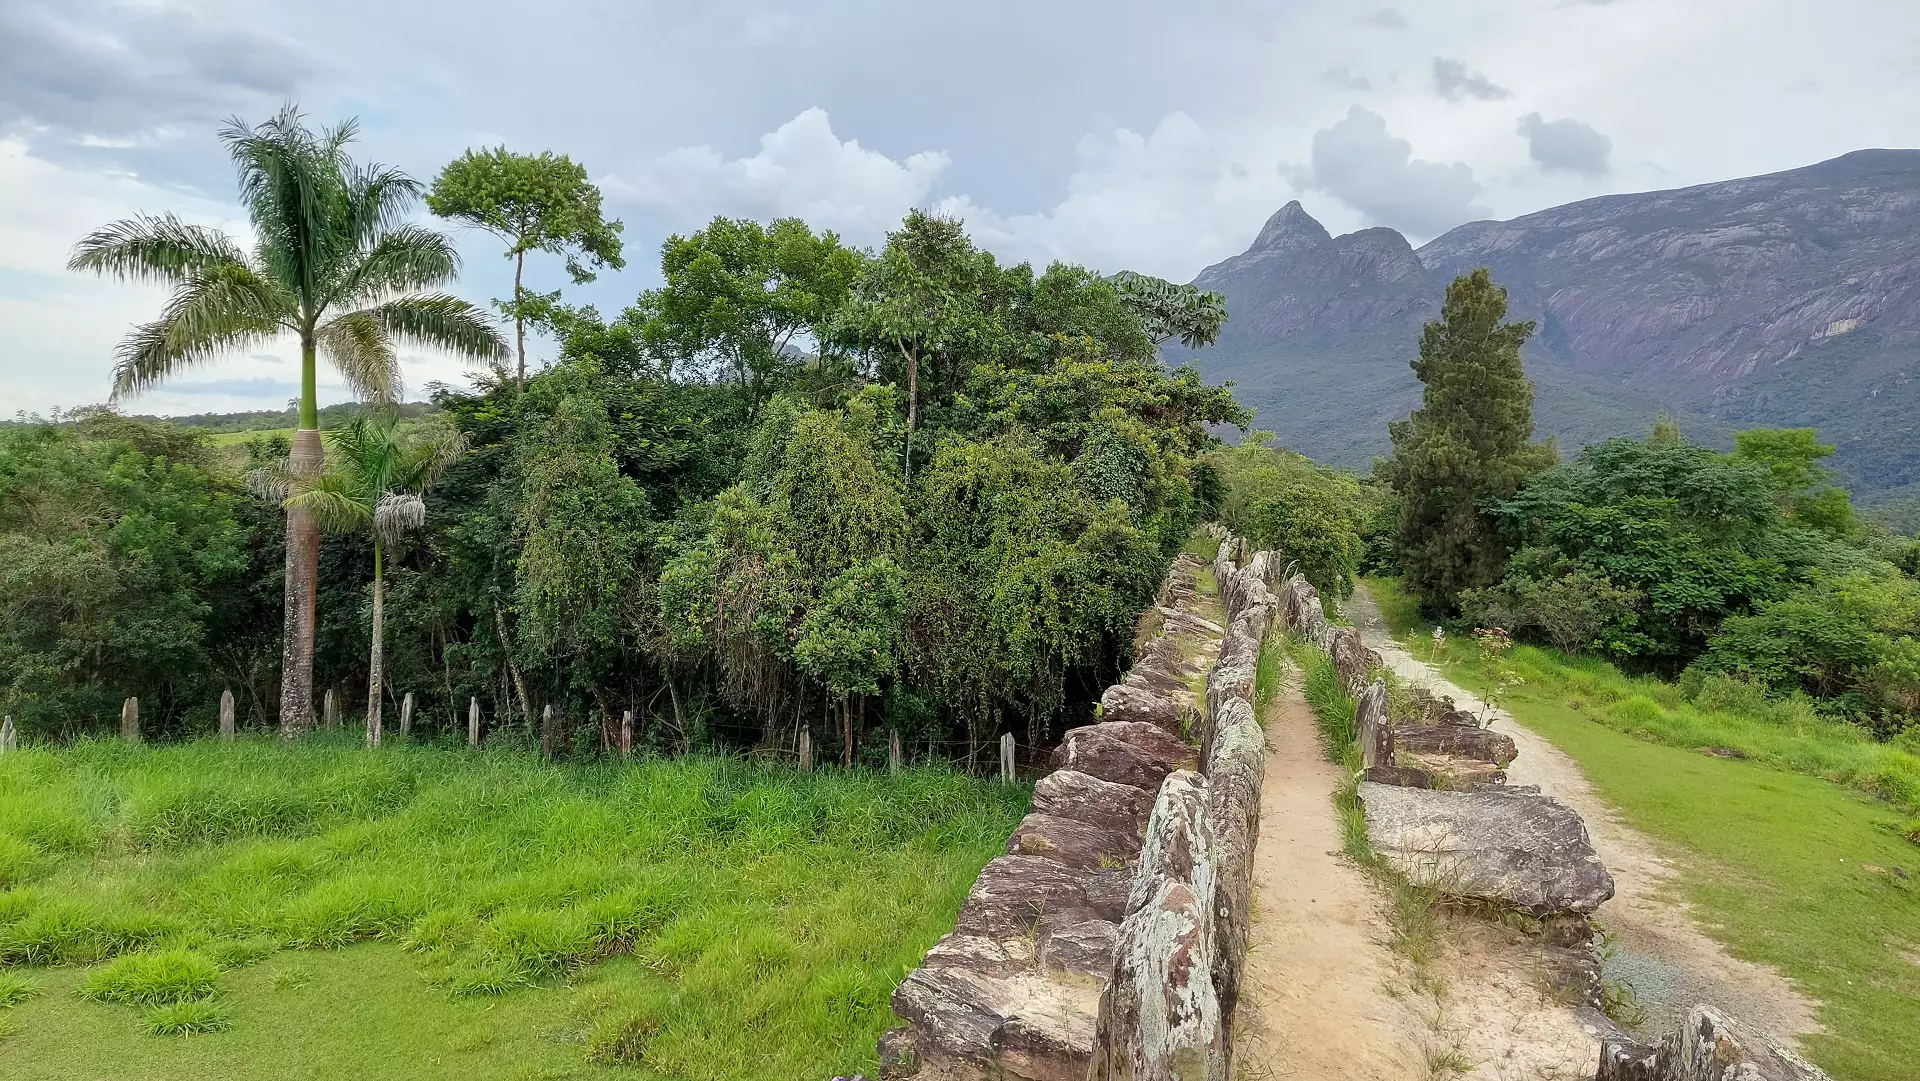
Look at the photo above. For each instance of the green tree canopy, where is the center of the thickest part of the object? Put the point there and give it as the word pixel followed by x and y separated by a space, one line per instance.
pixel 533 202
pixel 1469 443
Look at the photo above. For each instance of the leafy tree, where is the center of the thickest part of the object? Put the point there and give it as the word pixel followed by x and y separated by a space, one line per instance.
pixel 1186 313
pixel 1468 443
pixel 374 484
pixel 739 295
pixel 1805 491
pixel 1312 516
pixel 533 202
pixel 334 265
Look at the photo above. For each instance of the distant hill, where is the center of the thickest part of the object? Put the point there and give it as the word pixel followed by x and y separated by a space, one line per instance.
pixel 1787 299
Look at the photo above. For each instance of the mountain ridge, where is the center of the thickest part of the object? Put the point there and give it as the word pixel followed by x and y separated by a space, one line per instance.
pixel 1790 298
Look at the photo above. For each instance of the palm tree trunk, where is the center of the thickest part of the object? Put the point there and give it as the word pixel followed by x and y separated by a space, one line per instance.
pixel 303 565
pixel 506 649
pixel 375 683
pixel 913 405
pixel 519 317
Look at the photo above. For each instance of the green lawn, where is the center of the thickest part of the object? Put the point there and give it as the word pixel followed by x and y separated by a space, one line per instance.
pixel 235 439
pixel 429 912
pixel 1785 866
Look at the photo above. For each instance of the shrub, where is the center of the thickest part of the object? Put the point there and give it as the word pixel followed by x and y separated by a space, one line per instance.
pixel 149 979
pixel 15 989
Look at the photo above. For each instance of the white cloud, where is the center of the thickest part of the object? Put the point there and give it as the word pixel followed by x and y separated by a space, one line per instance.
pixel 1376 173
pixel 803 170
pixel 1455 81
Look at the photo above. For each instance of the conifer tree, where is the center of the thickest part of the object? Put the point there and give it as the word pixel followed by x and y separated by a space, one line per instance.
pixel 1470 442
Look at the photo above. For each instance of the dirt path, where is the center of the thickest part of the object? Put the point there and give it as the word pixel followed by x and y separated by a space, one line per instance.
pixel 1320 999
pixel 1658 948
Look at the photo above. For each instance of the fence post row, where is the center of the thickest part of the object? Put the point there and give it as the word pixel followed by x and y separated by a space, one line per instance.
pixel 406 715
pixel 130 720
pixel 9 739
pixel 893 751
pixel 626 733
pixel 546 731
pixel 806 750
pixel 330 710
pixel 226 716
pixel 1006 757
pixel 473 722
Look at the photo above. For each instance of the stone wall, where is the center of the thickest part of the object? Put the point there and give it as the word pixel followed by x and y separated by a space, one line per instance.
pixel 1108 941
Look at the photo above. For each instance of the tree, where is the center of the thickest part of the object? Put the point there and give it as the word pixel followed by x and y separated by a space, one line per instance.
pixel 375 482
pixel 1468 444
pixel 1188 313
pixel 1805 490
pixel 739 294
pixel 334 265
pixel 534 202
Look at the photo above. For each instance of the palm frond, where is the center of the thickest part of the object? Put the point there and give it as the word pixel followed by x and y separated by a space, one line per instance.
pixel 423 464
pixel 273 482
pixel 360 348
pixel 439 321
pixel 148 249
pixel 401 260
pixel 227 309
pixel 397 514
pixel 330 505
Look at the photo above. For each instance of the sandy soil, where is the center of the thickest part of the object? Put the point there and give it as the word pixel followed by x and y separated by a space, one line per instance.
pixel 1658 948
pixel 1324 996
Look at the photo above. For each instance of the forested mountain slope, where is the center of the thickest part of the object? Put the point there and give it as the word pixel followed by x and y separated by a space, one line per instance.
pixel 1787 299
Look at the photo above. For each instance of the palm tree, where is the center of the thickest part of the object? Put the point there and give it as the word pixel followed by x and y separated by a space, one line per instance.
pixel 376 481
pixel 334 264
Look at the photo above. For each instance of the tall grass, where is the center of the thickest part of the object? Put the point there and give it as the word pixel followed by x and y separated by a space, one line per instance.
pixel 760 901
pixel 1719 714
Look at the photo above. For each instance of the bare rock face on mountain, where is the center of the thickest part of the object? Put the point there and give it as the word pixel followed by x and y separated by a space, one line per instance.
pixel 1786 299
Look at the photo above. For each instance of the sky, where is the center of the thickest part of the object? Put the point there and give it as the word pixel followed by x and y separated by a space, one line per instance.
pixel 1124 134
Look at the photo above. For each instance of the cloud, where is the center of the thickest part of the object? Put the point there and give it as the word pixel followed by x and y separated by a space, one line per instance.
pixel 1377 174
pixel 1345 78
pixel 1566 145
pixel 236 387
pixel 802 170
pixel 1167 203
pixel 1453 81
pixel 1387 17
pixel 115 75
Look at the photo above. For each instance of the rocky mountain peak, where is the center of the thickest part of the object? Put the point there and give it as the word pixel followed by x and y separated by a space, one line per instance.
pixel 1290 227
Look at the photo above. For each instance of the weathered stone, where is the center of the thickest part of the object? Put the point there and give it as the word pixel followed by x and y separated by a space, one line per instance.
pixel 1713 1047
pixel 1516 848
pixel 1372 728
pixel 1160 1018
pixel 1450 772
pixel 1623 1058
pixel 1399 776
pixel 1084 947
pixel 973 1024
pixel 1013 892
pixel 1570 974
pixel 1142 699
pixel 1072 842
pixel 1235 767
pixel 1480 744
pixel 1069 793
pixel 1349 656
pixel 1124 752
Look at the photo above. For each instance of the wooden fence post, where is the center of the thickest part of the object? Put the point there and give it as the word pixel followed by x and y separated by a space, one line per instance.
pixel 226 716
pixel 130 720
pixel 1006 757
pixel 806 750
pixel 406 715
pixel 893 751
pixel 9 739
pixel 330 710
pixel 626 734
pixel 473 722
pixel 546 731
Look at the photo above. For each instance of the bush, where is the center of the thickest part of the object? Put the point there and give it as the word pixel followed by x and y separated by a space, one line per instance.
pixel 150 979
pixel 1313 516
pixel 15 989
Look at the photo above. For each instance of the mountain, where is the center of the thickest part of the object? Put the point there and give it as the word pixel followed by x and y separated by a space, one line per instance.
pixel 1786 299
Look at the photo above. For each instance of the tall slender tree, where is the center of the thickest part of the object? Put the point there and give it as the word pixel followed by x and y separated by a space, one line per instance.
pixel 336 265
pixel 534 202
pixel 1468 444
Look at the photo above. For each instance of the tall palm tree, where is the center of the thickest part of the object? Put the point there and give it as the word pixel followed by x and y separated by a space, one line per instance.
pixel 375 481
pixel 333 263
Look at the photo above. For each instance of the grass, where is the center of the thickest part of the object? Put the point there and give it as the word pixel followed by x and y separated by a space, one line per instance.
pixel 1721 714
pixel 431 912
pixel 1787 864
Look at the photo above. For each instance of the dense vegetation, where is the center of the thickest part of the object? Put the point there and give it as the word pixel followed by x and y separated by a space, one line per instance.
pixel 1660 553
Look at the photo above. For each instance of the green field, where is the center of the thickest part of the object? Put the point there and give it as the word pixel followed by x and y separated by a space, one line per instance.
pixel 428 912
pixel 1786 866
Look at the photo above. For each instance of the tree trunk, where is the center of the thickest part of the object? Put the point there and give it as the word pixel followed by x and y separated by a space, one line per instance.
pixel 846 733
pixel 302 570
pixel 506 650
pixel 913 406
pixel 376 687
pixel 519 319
